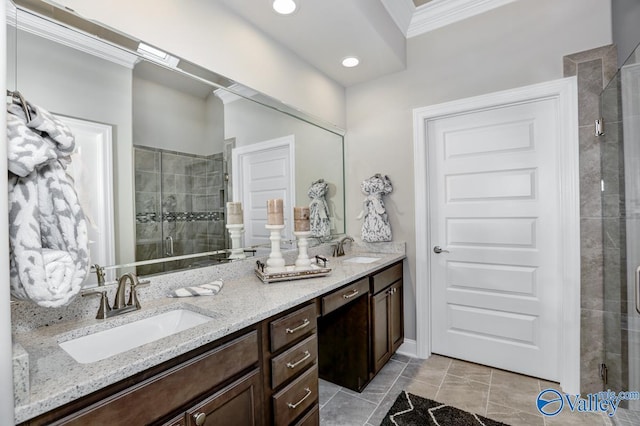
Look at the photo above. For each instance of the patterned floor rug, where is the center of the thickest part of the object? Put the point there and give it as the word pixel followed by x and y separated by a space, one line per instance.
pixel 412 410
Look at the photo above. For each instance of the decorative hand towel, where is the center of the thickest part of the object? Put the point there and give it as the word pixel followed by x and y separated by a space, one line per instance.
pixel 210 289
pixel 49 254
pixel 375 227
pixel 319 221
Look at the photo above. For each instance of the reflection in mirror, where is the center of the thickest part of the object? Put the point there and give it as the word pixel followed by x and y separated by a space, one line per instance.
pixel 174 138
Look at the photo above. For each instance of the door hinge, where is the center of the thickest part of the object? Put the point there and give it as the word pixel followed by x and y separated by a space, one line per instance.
pixel 604 372
pixel 599 127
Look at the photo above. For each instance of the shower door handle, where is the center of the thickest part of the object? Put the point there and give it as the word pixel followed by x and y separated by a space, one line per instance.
pixel 637 284
pixel 169 246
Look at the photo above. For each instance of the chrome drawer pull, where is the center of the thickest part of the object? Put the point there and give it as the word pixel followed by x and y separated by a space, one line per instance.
pixel 294 406
pixel 306 356
pixel 305 323
pixel 349 296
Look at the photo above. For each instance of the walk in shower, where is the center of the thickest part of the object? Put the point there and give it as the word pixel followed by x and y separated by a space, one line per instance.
pixel 620 149
pixel 180 200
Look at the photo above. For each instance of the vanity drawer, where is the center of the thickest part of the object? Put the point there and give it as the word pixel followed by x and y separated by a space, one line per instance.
pixel 294 360
pixel 312 418
pixel 292 327
pixel 385 278
pixel 296 398
pixel 345 295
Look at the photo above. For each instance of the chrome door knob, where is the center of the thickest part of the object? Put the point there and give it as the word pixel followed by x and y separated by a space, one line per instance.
pixel 438 250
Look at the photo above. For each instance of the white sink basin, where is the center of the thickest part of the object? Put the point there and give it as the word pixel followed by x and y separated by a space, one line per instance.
pixel 97 346
pixel 362 259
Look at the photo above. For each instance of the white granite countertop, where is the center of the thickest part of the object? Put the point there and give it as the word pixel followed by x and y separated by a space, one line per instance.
pixel 56 379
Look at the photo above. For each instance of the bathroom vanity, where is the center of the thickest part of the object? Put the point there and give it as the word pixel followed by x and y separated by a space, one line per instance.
pixel 257 362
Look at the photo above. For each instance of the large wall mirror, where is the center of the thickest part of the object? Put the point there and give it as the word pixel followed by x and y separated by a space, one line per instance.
pixel 164 144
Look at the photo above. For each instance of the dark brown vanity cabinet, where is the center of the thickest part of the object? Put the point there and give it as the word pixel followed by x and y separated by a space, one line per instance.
pixel 387 325
pixel 290 367
pixel 358 336
pixel 343 336
pixel 237 404
pixel 219 379
pixel 266 374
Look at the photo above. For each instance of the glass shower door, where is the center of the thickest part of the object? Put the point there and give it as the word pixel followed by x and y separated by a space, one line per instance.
pixel 620 153
pixel 630 113
pixel 180 200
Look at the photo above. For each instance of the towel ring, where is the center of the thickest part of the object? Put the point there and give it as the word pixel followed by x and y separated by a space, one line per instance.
pixel 23 103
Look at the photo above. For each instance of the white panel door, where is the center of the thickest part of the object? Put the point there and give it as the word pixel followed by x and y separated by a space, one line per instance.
pixel 264 171
pixel 91 169
pixel 494 197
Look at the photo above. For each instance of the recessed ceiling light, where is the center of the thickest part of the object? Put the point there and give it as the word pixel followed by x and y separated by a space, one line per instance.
pixel 284 7
pixel 350 62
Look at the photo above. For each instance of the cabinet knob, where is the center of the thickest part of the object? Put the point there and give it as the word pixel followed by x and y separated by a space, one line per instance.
pixel 200 418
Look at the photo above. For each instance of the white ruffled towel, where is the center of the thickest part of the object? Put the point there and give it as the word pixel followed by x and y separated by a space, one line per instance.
pixel 49 253
pixel 209 289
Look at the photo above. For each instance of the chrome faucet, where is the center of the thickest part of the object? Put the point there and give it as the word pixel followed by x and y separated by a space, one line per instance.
pixel 338 249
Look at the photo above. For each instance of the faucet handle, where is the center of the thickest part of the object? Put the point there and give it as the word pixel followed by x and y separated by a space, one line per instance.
pixel 133 292
pixel 103 310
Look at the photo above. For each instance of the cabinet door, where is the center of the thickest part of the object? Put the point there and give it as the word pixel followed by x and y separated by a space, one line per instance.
pixel 396 316
pixel 380 328
pixel 239 404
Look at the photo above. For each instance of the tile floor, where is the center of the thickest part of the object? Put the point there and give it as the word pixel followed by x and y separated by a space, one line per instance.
pixel 497 394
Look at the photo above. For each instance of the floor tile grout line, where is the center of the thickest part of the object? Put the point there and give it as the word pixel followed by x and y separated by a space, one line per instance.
pixel 387 393
pixel 446 371
pixel 486 407
pixel 332 396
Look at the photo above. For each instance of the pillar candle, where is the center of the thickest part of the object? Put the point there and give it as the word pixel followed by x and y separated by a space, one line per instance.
pixel 275 212
pixel 301 219
pixel 234 213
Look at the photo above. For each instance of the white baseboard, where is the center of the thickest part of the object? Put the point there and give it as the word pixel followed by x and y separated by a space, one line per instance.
pixel 408 348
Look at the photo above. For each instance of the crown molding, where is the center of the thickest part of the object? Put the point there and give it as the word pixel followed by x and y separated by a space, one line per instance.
pixel 401 11
pixel 439 13
pixel 234 92
pixel 60 34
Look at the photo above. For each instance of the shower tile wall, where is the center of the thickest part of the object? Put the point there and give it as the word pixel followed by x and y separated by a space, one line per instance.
pixel 180 196
pixel 594 69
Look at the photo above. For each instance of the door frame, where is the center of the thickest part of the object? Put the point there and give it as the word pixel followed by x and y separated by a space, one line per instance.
pixel 565 92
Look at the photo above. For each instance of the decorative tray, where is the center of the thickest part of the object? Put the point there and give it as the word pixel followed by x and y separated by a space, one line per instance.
pixel 290 272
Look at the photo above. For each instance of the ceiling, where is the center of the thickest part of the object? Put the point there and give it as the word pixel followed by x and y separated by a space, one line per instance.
pixel 323 32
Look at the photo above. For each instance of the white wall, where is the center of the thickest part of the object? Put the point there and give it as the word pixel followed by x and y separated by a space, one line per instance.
pixel 209 34
pixel 518 44
pixel 6 365
pixel 174 120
